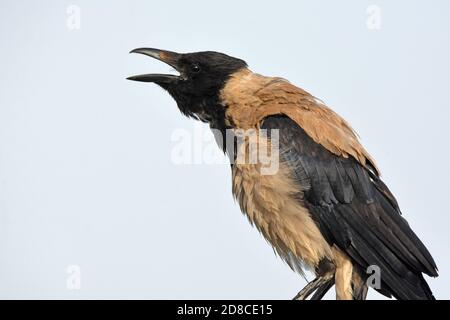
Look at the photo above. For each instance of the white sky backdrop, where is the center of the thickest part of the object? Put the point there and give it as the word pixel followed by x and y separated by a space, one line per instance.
pixel 86 176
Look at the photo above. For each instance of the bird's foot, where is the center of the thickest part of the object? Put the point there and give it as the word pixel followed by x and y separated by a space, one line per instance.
pixel 321 285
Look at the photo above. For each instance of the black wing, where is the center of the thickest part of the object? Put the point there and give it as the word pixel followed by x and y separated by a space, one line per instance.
pixel 356 212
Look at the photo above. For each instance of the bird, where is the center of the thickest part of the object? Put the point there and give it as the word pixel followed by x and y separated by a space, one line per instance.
pixel 325 209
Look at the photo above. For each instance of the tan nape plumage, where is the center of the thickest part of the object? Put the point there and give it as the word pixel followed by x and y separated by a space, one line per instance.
pixel 250 98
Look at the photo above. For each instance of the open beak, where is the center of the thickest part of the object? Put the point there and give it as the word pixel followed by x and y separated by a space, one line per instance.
pixel 171 58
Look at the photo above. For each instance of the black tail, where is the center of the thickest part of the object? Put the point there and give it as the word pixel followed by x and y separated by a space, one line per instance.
pixel 415 288
pixel 411 286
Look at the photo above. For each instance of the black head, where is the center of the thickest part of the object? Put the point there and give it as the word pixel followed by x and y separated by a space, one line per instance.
pixel 202 76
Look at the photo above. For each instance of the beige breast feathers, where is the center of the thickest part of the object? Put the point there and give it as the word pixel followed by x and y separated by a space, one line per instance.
pixel 271 203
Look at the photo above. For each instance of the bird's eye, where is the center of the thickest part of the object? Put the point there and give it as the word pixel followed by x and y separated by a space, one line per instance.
pixel 195 68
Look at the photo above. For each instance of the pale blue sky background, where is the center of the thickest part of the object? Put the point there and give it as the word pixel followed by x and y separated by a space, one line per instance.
pixel 86 176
